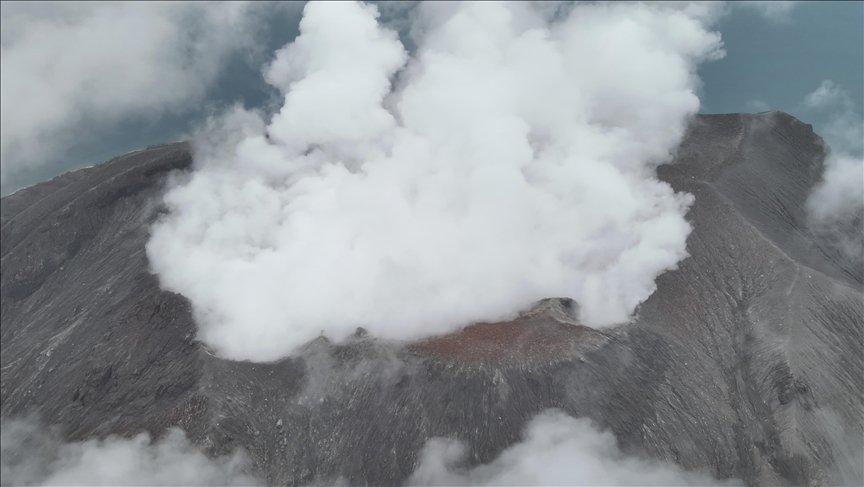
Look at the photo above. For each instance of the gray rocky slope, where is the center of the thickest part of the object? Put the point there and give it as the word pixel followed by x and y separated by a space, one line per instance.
pixel 745 363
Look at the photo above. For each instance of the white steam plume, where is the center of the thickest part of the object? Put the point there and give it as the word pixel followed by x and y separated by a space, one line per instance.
pixel 514 160
pixel 35 455
pixel 556 450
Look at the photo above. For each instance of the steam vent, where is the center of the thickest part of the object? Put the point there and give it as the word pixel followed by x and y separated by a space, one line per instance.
pixel 744 365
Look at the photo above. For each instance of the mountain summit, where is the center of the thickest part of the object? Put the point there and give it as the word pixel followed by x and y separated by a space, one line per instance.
pixel 745 363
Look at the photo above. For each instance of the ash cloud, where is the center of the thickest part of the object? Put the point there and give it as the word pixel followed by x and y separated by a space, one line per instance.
pixel 556 450
pixel 33 454
pixel 510 159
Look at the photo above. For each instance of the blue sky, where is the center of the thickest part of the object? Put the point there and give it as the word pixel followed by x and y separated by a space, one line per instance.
pixel 777 63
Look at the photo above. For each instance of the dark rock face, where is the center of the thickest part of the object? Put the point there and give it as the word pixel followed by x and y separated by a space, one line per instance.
pixel 746 362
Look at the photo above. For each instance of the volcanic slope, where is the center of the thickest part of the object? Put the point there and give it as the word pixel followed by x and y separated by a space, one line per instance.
pixel 745 363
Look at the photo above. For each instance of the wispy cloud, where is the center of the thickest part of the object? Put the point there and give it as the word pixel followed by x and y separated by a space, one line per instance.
pixel 836 205
pixel 779 12
pixel 556 450
pixel 33 454
pixel 70 70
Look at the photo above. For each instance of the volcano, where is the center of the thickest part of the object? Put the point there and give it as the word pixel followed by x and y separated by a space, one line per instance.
pixel 747 362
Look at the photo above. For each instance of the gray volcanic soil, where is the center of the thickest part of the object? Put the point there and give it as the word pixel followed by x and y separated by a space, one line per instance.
pixel 746 362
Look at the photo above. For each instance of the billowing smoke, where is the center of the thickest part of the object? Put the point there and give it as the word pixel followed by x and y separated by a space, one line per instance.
pixel 512 158
pixel 836 205
pixel 33 454
pixel 556 450
pixel 71 70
